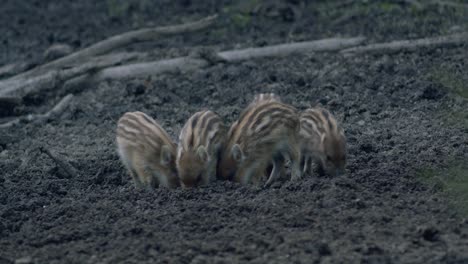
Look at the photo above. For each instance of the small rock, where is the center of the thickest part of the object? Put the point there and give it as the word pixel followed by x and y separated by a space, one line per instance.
pixel 455 29
pixel 430 234
pixel 383 65
pixel 374 250
pixel 324 249
pixel 367 147
pixel 359 204
pixel 430 92
pixel 23 260
pixel 135 88
pixel 301 81
pixel 157 100
pixel 4 154
pixel 3 227
pixel 57 51
pixel 361 122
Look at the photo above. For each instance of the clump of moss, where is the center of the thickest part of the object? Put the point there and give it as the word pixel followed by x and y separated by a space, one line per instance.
pixel 451 80
pixel 240 14
pixel 457 118
pixel 128 9
pixel 451 181
pixel 388 6
pixel 117 8
pixel 454 82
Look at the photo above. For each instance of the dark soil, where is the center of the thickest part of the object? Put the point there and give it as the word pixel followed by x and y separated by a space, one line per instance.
pixel 392 110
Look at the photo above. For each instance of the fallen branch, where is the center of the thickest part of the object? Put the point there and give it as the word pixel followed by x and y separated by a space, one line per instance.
pixel 448 4
pixel 21 87
pixel 115 42
pixel 67 167
pixel 14 68
pixel 54 112
pixel 190 63
pixel 409 45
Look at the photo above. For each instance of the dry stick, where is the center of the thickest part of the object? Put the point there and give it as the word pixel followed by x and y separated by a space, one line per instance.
pixel 67 167
pixel 419 5
pixel 50 79
pixel 57 110
pixel 409 45
pixel 13 68
pixel 190 63
pixel 448 3
pixel 118 41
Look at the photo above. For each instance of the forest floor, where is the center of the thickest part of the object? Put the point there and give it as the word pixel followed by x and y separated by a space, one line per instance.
pixel 402 200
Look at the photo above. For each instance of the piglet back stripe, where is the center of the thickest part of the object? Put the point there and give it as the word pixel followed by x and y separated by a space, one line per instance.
pixel 139 127
pixel 200 130
pixel 261 119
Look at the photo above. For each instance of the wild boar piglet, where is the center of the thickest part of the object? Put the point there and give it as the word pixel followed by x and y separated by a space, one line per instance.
pixel 200 142
pixel 264 133
pixel 258 99
pixel 146 150
pixel 323 141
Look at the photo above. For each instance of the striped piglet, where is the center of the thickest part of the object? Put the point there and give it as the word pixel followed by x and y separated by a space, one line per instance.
pixel 146 150
pixel 200 142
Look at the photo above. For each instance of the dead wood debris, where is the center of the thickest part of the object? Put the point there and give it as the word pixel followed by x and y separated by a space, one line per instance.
pixel 46 75
pixel 62 163
pixel 442 3
pixel 53 113
pixel 409 45
pixel 114 42
pixel 106 67
pixel 51 79
pixel 190 63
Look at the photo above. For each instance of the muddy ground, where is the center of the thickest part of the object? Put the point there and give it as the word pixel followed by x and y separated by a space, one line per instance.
pixel 399 116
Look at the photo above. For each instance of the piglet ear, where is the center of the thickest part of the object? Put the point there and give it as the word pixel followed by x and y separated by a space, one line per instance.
pixel 202 153
pixel 166 155
pixel 237 153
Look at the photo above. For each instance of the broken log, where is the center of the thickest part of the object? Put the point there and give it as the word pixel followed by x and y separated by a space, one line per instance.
pixel 58 109
pixel 409 45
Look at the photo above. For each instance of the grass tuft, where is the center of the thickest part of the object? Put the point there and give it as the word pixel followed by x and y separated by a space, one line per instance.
pixel 451 80
pixel 451 181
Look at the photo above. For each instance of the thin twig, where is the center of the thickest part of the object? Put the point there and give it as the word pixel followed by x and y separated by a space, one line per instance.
pixel 448 3
pixel 282 50
pixel 13 68
pixel 54 112
pixel 66 166
pixel 408 45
